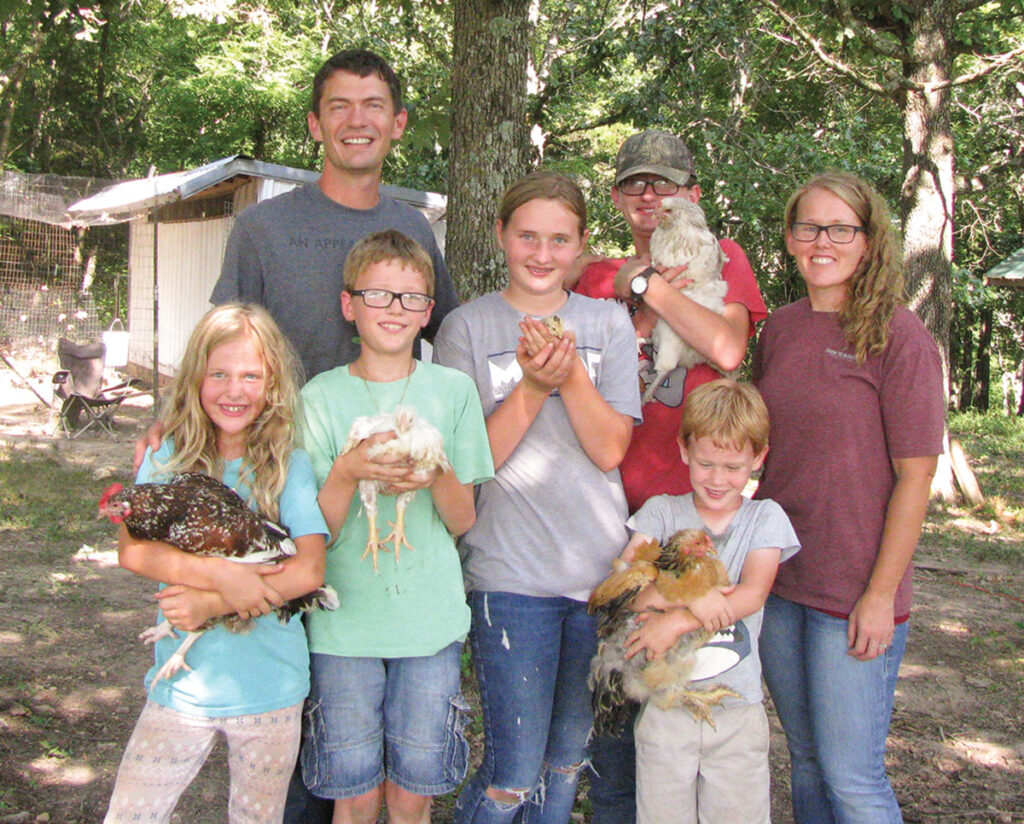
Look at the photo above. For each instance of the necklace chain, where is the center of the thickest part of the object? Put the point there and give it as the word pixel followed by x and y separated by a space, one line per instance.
pixel 405 387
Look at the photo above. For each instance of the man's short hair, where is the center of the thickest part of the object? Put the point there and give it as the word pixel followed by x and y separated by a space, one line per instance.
pixel 386 246
pixel 361 63
pixel 730 413
pixel 658 153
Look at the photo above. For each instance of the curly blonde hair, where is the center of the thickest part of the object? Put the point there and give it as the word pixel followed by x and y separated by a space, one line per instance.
pixel 876 287
pixel 271 436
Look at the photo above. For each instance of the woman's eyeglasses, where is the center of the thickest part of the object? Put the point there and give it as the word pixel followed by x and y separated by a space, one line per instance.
pixel 837 232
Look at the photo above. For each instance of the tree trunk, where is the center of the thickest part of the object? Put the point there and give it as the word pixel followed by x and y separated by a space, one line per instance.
pixel 927 195
pixel 966 359
pixel 490 137
pixel 982 363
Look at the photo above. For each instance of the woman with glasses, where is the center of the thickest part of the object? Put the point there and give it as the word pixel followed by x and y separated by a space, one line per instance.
pixel 853 383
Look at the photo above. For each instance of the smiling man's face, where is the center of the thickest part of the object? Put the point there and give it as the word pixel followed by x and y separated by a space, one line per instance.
pixel 357 122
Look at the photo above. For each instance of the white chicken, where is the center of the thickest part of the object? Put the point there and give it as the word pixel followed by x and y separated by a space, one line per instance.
pixel 682 238
pixel 417 442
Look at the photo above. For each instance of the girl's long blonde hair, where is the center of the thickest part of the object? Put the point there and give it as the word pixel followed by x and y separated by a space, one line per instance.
pixel 271 436
pixel 876 287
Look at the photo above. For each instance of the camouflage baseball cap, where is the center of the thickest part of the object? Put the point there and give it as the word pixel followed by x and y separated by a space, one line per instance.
pixel 654 152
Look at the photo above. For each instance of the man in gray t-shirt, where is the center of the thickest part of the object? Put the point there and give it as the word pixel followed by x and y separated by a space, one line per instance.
pixel 287 253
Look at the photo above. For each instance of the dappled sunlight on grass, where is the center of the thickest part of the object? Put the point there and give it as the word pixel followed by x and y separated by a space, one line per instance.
pixel 954 628
pixel 54 769
pixel 986 754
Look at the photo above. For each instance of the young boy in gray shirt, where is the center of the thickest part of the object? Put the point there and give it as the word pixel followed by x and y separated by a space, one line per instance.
pixel 685 764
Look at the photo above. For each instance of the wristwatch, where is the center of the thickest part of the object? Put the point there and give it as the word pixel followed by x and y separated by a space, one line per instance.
pixel 639 282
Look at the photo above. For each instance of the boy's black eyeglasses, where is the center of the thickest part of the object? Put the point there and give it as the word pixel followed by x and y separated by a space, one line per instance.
pixel 636 186
pixel 383 298
pixel 837 233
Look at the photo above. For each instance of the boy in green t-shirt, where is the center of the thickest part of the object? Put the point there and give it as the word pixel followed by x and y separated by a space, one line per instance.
pixel 384 712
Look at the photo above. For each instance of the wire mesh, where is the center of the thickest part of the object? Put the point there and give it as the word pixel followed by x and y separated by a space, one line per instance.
pixel 41 271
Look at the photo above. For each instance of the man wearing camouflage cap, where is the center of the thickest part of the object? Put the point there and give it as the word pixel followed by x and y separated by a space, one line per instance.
pixel 651 166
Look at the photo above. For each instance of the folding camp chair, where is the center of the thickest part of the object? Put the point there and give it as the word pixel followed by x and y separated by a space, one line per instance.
pixel 79 385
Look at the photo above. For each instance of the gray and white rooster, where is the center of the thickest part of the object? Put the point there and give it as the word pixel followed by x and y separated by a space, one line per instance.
pixel 682 238
pixel 417 442
pixel 201 516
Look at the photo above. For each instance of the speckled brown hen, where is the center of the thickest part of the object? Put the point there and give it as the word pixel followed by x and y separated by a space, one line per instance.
pixel 201 516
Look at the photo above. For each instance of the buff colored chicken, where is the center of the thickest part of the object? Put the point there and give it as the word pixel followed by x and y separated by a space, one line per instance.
pixel 416 442
pixel 682 238
pixel 683 570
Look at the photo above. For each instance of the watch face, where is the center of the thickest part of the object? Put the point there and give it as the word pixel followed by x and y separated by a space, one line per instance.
pixel 638 285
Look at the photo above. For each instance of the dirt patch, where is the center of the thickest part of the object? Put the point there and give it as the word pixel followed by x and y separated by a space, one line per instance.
pixel 71 670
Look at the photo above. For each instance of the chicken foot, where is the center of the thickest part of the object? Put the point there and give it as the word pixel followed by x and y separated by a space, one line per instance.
pixel 374 543
pixel 176 662
pixel 698 702
pixel 397 535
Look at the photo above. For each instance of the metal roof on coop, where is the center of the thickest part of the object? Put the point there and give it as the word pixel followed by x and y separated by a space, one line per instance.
pixel 1009 273
pixel 179 225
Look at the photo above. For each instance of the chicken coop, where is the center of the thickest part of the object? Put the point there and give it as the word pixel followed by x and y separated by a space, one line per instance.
pixel 44 276
pixel 178 228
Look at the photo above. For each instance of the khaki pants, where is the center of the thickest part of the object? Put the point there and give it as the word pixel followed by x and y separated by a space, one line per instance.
pixel 690 773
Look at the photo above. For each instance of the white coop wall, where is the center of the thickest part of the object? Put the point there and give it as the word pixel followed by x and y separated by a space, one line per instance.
pixel 189 255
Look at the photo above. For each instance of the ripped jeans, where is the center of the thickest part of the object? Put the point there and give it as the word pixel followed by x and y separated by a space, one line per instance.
pixel 532 657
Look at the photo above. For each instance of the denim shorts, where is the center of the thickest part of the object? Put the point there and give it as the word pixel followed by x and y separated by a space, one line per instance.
pixel 368 719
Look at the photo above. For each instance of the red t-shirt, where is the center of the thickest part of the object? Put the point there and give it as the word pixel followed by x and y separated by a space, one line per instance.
pixel 653 465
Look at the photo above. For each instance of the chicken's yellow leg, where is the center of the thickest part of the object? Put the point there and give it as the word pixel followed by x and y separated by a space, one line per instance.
pixel 398 527
pixel 374 543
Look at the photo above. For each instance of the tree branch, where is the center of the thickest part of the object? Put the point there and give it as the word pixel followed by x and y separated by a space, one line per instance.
pixel 834 63
pixel 868 36
pixel 995 62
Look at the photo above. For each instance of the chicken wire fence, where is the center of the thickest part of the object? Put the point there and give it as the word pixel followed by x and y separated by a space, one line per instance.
pixel 41 266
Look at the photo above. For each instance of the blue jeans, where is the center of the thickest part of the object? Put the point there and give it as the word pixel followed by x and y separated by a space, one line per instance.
pixel 835 711
pixel 613 776
pixel 368 719
pixel 532 658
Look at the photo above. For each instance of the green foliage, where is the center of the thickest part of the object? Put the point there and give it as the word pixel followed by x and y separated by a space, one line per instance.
pixel 115 87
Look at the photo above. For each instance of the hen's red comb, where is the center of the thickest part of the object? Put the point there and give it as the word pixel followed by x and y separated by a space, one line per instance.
pixel 113 489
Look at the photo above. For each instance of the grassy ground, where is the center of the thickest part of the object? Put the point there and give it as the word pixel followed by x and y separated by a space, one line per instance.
pixel 71 669
pixel 993 531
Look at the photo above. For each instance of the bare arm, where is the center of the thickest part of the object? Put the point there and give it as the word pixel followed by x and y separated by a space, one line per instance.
pixel 722 339
pixel 603 432
pixel 721 608
pixel 871 622
pixel 242 585
pixel 454 502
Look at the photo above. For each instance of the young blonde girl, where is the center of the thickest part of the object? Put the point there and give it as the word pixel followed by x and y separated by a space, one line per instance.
pixel 231 415
pixel 560 411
